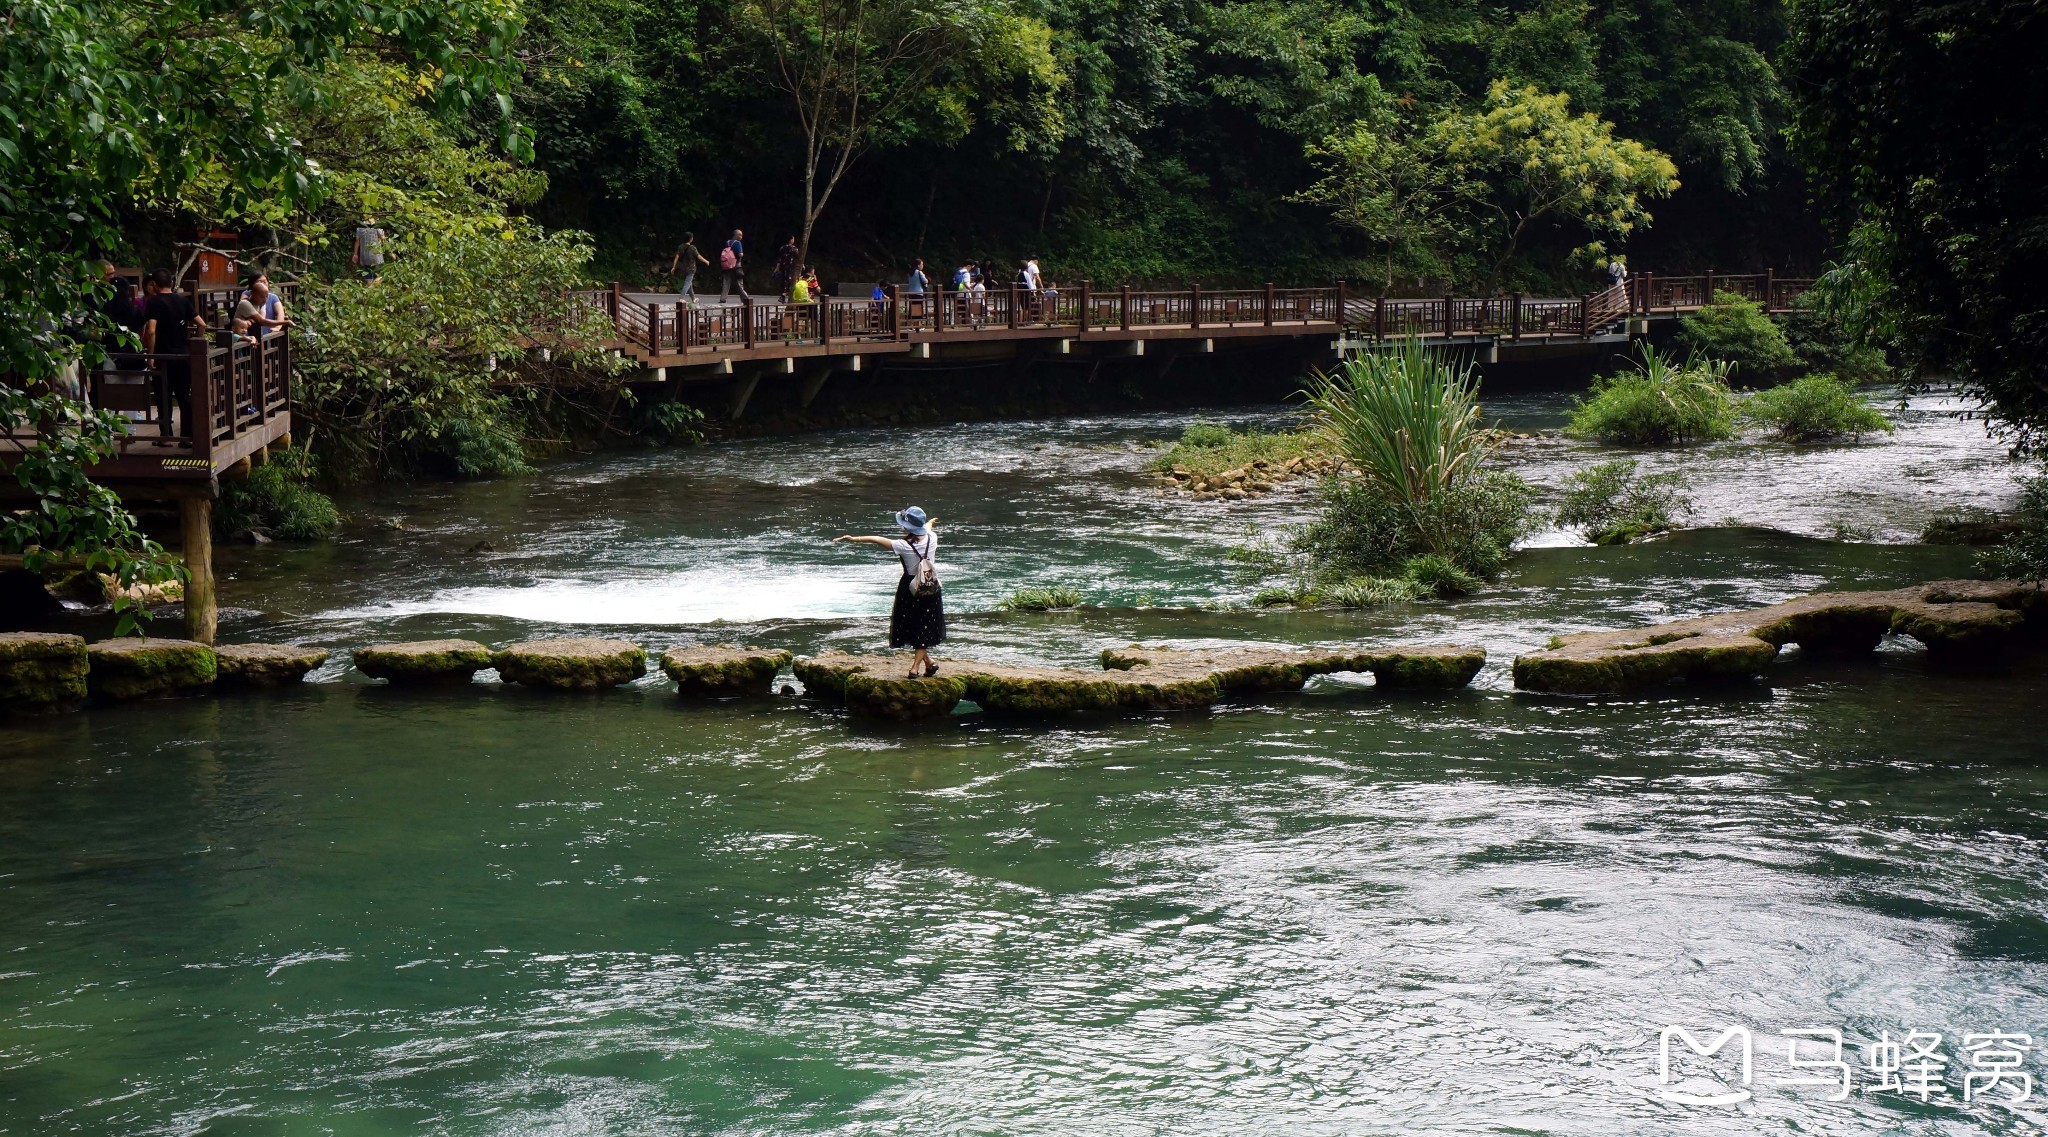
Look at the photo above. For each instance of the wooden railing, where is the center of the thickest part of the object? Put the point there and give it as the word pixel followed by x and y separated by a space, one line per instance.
pixel 670 328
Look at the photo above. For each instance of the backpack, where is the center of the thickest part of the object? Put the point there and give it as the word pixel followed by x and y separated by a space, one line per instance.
pixel 727 259
pixel 925 581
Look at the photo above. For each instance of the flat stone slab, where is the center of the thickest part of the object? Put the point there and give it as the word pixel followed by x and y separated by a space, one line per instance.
pixel 266 665
pixel 1964 623
pixel 423 662
pixel 42 671
pixel 571 664
pixel 145 668
pixel 723 670
pixel 1133 679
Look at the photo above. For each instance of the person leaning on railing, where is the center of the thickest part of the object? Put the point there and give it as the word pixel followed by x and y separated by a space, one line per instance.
pixel 260 309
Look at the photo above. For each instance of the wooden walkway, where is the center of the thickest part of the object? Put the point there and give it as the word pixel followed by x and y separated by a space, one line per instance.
pixel 708 337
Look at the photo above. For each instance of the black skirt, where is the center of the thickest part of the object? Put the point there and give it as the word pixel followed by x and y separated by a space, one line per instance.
pixel 916 621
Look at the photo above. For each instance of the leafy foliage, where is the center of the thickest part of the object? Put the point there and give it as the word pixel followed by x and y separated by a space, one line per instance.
pixel 1360 530
pixel 1206 449
pixel 71 516
pixel 277 499
pixel 1942 194
pixel 1658 403
pixel 1814 408
pixel 1371 592
pixel 2023 556
pixel 1611 504
pixel 1741 334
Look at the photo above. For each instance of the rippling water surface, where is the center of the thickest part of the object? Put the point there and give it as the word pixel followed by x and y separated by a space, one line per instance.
pixel 349 910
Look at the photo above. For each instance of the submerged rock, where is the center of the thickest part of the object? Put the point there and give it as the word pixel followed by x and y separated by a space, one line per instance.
pixel 143 668
pixel 41 671
pixel 1964 623
pixel 423 662
pixel 1133 679
pixel 723 670
pixel 572 664
pixel 266 665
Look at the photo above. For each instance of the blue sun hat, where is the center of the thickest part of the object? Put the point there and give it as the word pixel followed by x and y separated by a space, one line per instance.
pixel 914 520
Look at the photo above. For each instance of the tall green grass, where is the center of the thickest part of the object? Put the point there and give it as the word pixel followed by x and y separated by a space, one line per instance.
pixel 1409 422
pixel 1660 402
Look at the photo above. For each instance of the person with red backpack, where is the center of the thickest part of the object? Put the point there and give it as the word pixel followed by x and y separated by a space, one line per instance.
pixel 732 265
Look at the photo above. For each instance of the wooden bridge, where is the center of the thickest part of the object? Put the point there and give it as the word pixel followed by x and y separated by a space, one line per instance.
pixel 704 339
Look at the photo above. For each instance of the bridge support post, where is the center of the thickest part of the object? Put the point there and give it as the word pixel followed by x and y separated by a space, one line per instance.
pixel 1126 306
pixel 1649 291
pixel 202 609
pixel 1194 305
pixel 1450 325
pixel 1269 304
pixel 1515 315
pixel 1707 289
pixel 814 383
pixel 1770 287
pixel 1585 319
pixel 747 321
pixel 1083 318
pixel 742 392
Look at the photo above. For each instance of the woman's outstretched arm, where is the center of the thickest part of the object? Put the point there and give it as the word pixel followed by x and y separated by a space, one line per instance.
pixel 884 542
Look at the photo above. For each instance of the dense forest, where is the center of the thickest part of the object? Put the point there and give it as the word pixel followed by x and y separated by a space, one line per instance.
pixel 1160 139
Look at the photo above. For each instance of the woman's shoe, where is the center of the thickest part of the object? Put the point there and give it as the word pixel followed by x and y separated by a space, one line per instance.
pixel 930 669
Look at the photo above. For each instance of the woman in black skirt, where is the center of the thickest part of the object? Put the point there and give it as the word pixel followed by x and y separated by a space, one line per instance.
pixel 918 619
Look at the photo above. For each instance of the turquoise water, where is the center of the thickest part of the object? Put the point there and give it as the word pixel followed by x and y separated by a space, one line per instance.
pixel 344 909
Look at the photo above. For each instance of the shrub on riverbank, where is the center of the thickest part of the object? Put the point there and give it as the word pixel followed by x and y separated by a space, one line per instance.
pixel 1206 450
pixel 1610 504
pixel 1041 599
pixel 1814 408
pixel 1409 423
pixel 277 500
pixel 2024 555
pixel 1741 334
pixel 1658 403
pixel 1824 344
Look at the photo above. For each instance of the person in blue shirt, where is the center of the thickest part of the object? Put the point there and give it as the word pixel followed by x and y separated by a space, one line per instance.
pixel 918 282
pixel 732 265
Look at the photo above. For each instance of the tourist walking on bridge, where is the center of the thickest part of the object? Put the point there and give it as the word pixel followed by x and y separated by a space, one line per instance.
pixel 687 259
pixel 732 262
pixel 918 618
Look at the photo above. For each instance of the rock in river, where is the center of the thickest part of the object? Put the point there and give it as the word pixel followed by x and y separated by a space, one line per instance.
pixel 266 665
pixel 572 664
pixel 41 671
pixel 723 670
pixel 142 668
pixel 1964 623
pixel 423 662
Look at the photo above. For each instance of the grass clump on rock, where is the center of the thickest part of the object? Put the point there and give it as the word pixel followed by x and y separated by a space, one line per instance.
pixel 1409 423
pixel 1041 599
pixel 1814 409
pixel 1658 403
pixel 1212 458
pixel 1611 504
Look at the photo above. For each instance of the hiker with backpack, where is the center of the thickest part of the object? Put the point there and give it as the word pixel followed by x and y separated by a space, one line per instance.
pixel 732 265
pixel 917 620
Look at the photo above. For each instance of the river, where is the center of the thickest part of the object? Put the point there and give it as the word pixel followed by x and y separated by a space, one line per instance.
pixel 349 910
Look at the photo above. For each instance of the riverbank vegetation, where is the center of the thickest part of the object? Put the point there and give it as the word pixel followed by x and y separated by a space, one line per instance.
pixel 1611 503
pixel 1045 599
pixel 1814 408
pixel 1658 402
pixel 1210 457
pixel 1739 333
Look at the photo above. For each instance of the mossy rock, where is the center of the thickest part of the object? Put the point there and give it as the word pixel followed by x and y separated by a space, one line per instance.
pixel 140 668
pixel 723 670
pixel 824 677
pixel 423 662
pixel 572 664
pixel 42 671
pixel 266 665
pixel 903 699
pixel 1964 623
pixel 1429 668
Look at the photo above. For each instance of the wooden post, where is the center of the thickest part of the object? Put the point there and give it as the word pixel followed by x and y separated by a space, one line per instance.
pixel 1269 303
pixel 1379 318
pixel 1707 290
pixel 824 304
pixel 1343 302
pixel 202 610
pixel 747 320
pixel 1450 320
pixel 614 303
pixel 1515 315
pixel 895 328
pixel 200 356
pixel 1013 305
pixel 1084 308
pixel 1127 307
pixel 1194 305
pixel 654 326
pixel 1770 287
pixel 1585 318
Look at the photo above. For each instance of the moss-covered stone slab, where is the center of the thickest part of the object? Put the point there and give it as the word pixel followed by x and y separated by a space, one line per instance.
pixel 266 665
pixel 1132 679
pixel 423 663
pixel 723 670
pixel 41 671
pixel 571 664
pixel 1964 623
pixel 148 668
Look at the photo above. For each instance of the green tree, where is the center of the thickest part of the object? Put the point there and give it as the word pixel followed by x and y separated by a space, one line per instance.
pixel 1545 163
pixel 1921 122
pixel 1391 184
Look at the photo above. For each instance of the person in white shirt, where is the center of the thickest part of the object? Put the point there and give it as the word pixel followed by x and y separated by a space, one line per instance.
pixel 918 618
